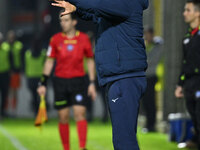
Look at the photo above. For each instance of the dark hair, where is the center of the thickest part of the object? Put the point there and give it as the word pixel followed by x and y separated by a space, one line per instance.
pixel 196 3
pixel 73 15
pixel 149 29
pixel 193 1
pixel 36 46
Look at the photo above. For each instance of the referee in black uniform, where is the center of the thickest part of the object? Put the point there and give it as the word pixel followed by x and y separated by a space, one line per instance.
pixel 189 80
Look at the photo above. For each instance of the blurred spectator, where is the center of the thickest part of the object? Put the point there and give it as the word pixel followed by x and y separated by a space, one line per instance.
pixel 34 61
pixel 154 52
pixel 16 63
pixel 5 67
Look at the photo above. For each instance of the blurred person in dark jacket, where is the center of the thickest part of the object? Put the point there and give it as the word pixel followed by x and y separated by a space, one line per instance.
pixel 189 80
pixel 154 53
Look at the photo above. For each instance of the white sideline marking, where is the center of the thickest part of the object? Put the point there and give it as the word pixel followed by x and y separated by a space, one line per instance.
pixel 12 139
pixel 96 145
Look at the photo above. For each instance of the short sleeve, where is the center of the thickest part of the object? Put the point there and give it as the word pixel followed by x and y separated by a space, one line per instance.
pixel 88 48
pixel 51 52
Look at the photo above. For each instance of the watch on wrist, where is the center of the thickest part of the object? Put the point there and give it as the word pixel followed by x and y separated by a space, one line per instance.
pixel 92 82
pixel 43 80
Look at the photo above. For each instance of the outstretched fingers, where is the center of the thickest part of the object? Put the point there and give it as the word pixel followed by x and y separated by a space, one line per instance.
pixel 69 8
pixel 58 3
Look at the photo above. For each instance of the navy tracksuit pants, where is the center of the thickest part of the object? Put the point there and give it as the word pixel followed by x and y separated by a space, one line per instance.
pixel 123 99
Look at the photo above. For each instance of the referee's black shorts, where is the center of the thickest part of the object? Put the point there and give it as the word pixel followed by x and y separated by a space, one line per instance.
pixel 69 92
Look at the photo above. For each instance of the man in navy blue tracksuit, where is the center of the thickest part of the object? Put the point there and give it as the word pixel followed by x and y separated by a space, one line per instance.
pixel 120 59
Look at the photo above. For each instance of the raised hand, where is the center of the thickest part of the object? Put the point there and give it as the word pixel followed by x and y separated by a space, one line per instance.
pixel 69 8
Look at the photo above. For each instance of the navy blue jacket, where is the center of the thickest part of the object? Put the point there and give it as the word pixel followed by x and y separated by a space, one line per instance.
pixel 120 49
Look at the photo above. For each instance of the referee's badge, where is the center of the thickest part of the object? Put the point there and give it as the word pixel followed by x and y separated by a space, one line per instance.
pixel 186 41
pixel 79 97
pixel 70 48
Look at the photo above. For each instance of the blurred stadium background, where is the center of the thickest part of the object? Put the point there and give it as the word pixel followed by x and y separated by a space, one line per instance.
pixel 27 17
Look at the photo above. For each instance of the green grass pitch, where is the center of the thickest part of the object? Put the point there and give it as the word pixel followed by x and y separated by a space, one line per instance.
pixel 99 137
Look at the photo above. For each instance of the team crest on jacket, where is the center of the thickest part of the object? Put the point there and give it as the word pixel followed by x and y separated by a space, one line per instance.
pixel 186 41
pixel 70 48
pixel 197 94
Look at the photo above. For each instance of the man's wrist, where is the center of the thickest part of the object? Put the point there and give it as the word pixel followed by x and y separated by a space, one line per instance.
pixel 43 80
pixel 92 82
